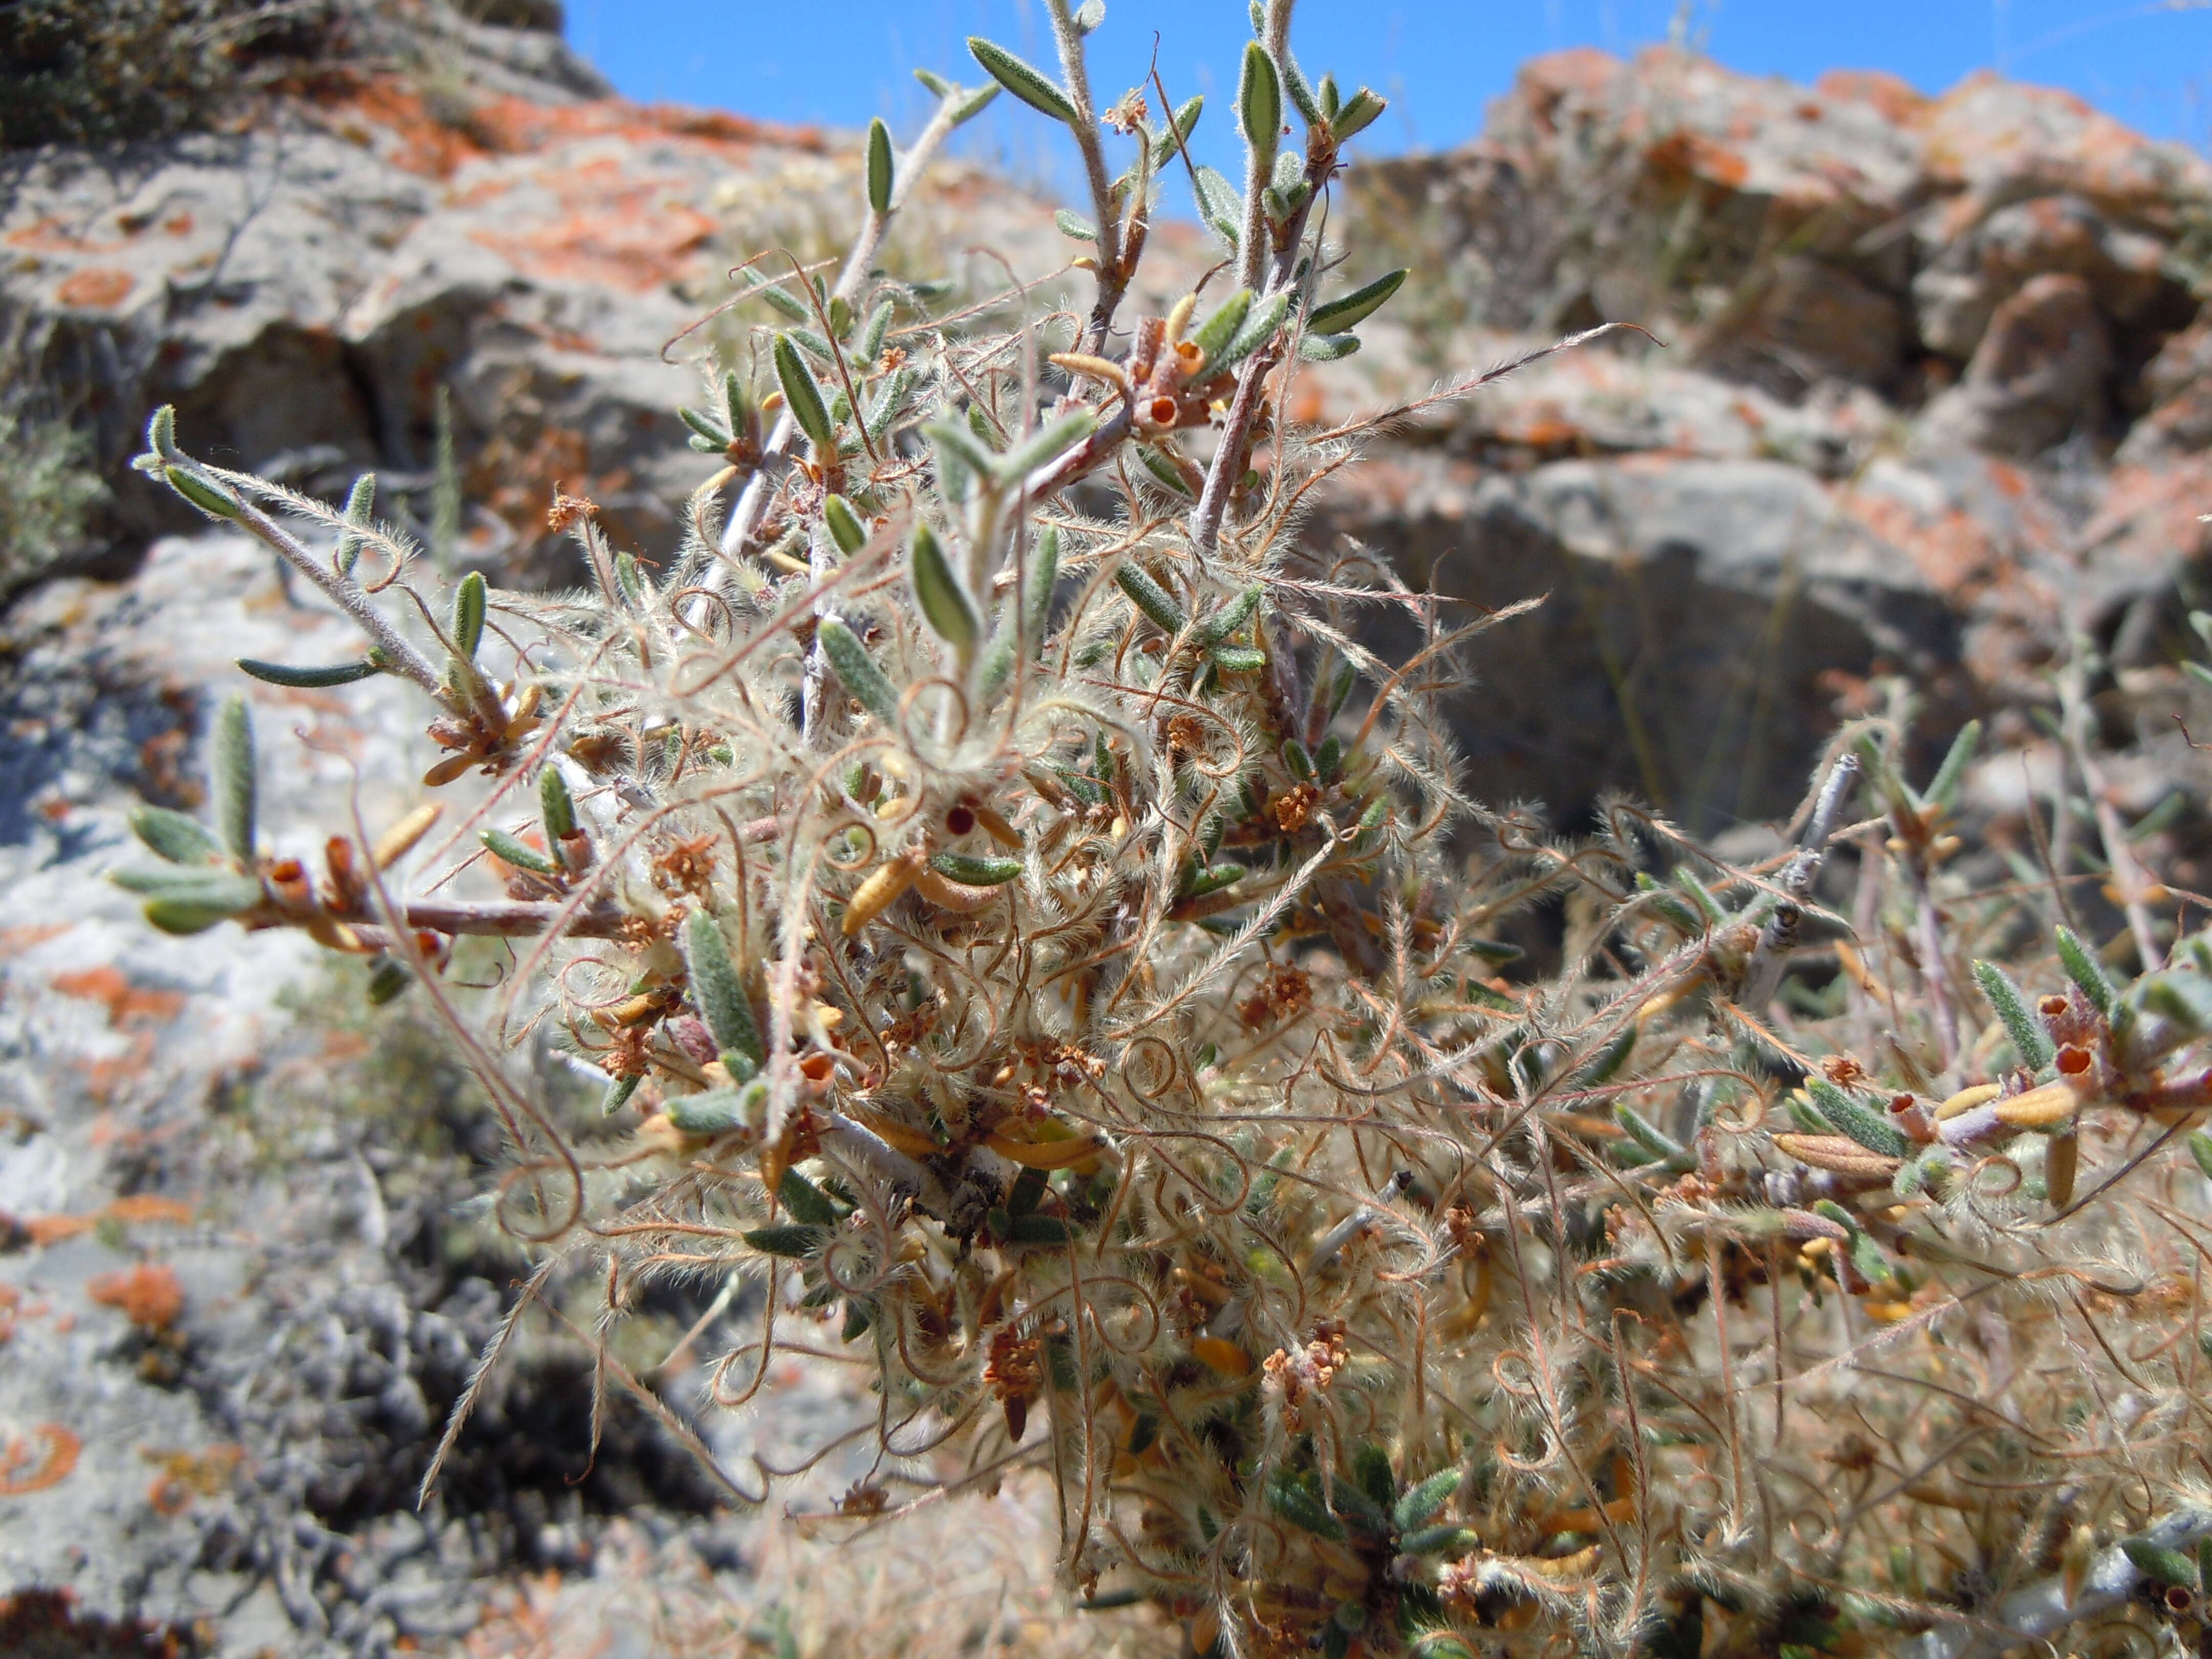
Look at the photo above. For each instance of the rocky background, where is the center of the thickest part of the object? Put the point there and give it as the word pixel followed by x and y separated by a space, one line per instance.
pixel 1921 424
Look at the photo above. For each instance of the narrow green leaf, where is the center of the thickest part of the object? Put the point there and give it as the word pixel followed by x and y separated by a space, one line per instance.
pixel 234 777
pixel 1446 1540
pixel 465 626
pixel 2030 1040
pixel 1048 442
pixel 174 836
pixel 556 809
pixel 1037 1230
pixel 1327 347
pixel 845 527
pixel 972 872
pixel 859 674
pixel 162 433
pixel 1663 1147
pixel 945 599
pixel 1297 760
pixel 211 499
pixel 2155 1561
pixel 889 401
pixel 1300 1505
pixel 1178 133
pixel 1260 102
pixel 1075 226
pixel 1219 204
pixel 1214 334
pixel 1256 331
pixel 808 1204
pixel 1357 306
pixel 879 167
pixel 708 428
pixel 876 331
pixel 2081 967
pixel 1037 584
pixel 957 440
pixel 1149 597
pixel 188 914
pixel 802 395
pixel 277 673
pixel 618 1093
pixel 1359 113
pixel 717 990
pixel 1237 658
pixel 224 891
pixel 1213 880
pixel 1031 85
pixel 518 852
pixel 1851 1116
pixel 1943 789
pixel 796 1243
pixel 1421 1502
pixel 2200 1148
pixel 1164 470
pixel 359 507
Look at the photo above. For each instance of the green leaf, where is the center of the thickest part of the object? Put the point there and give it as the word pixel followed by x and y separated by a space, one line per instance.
pixel 1165 146
pixel 1213 880
pixel 556 808
pixel 1260 102
pixel 945 602
pixel 187 913
pixel 224 891
pixel 211 499
pixel 1037 585
pixel 710 431
pixel 1870 1128
pixel 859 674
pixel 1214 334
pixel 390 978
pixel 1231 616
pixel 1219 204
pixel 1237 658
pixel 1419 1502
pixel 1032 85
pixel 2155 1561
pixel 1075 225
pixel 234 778
pixel 972 872
pixel 1165 471
pixel 802 395
pixel 875 331
pixel 778 297
pixel 1371 1468
pixel 1663 1147
pixel 1943 788
pixel 162 433
pixel 1297 760
pixel 465 626
pixel 1256 331
pixel 1149 597
pixel 2200 1148
pixel 1452 1540
pixel 277 673
pixel 519 853
pixel 712 1112
pixel 1300 1505
pixel 1357 306
pixel 361 505
pixel 2030 1040
pixel 2081 967
pixel 956 440
pixel 879 167
pixel 618 1093
pixel 1359 113
pixel 796 1243
pixel 717 990
pixel 807 1202
pixel 889 401
pixel 174 836
pixel 845 527
pixel 1048 442
pixel 1327 347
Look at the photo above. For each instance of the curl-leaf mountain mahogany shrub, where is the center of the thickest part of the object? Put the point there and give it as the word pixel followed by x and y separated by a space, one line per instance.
pixel 1020 929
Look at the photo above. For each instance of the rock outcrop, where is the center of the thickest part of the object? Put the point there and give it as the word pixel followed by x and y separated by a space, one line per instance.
pixel 1929 401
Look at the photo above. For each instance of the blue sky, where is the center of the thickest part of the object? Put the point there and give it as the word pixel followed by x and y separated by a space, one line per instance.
pixel 840 62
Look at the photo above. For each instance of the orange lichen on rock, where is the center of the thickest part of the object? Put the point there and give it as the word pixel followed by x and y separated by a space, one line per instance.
pixel 148 1294
pixel 35 1460
pixel 127 1003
